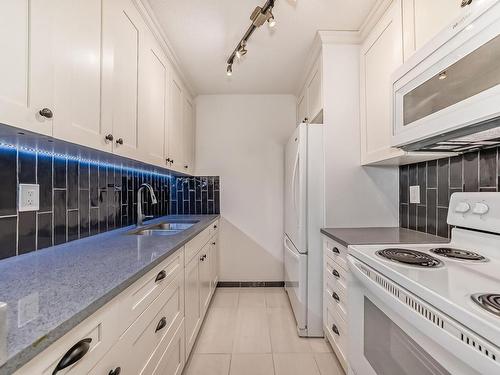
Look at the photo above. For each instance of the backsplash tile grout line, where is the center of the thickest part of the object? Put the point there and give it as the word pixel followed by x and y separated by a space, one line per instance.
pixel 478 171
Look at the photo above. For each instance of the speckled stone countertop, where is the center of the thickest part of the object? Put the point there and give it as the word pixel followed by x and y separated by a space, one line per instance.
pixel 65 284
pixel 379 235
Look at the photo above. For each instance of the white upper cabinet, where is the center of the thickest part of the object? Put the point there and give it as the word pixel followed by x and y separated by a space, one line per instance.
pixel 154 85
pixel 26 74
pixel 381 54
pixel 315 94
pixel 302 108
pixel 175 141
pixel 95 73
pixel 124 39
pixel 310 100
pixel 423 19
pixel 77 71
pixel 188 135
pixel 406 26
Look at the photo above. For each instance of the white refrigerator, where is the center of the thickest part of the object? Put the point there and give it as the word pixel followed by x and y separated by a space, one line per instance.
pixel 304 216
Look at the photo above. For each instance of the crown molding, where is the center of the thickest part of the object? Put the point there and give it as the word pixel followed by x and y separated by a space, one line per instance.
pixel 373 17
pixel 155 27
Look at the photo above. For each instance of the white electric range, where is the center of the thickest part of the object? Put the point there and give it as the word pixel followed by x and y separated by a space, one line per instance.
pixel 430 309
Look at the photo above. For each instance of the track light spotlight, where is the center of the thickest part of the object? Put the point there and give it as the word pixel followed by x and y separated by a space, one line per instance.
pixel 271 22
pixel 241 51
pixel 229 70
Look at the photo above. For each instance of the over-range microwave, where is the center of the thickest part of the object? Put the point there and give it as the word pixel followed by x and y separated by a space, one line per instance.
pixel 446 97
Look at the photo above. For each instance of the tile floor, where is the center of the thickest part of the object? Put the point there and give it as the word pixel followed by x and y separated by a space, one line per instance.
pixel 251 331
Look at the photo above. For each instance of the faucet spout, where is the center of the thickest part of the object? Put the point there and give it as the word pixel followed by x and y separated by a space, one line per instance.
pixel 140 215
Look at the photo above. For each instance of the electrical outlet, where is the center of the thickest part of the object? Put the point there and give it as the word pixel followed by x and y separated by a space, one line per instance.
pixel 29 197
pixel 415 194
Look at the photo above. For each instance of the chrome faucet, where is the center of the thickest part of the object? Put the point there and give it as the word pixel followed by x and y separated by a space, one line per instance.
pixel 140 215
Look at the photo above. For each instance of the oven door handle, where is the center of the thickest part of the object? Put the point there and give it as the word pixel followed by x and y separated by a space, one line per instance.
pixel 354 266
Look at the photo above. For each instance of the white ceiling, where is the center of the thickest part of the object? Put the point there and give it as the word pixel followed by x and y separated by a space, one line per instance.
pixel 204 32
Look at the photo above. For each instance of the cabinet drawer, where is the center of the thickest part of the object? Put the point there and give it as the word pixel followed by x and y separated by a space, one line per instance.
pixel 337 334
pixel 214 228
pixel 335 275
pixel 144 291
pixel 337 252
pixel 101 328
pixel 145 339
pixel 195 245
pixel 169 357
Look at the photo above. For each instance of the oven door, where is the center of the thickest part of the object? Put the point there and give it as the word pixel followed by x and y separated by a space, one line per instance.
pixel 392 332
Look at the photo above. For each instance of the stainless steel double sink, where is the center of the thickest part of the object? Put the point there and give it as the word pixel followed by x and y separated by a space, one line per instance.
pixel 166 228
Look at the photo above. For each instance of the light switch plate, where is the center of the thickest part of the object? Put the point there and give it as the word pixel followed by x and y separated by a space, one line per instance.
pixel 415 194
pixel 29 197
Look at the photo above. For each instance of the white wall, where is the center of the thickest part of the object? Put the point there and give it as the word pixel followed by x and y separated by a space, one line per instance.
pixel 241 138
pixel 356 196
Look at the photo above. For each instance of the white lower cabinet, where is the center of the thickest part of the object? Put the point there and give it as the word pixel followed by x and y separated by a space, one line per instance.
pixel 201 275
pixel 193 316
pixel 335 293
pixel 150 328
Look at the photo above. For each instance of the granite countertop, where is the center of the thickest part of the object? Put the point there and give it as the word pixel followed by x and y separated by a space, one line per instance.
pixel 62 285
pixel 380 235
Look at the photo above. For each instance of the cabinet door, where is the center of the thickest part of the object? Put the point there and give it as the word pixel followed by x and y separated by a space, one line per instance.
pixel 175 142
pixel 205 277
pixel 381 54
pixel 214 261
pixel 124 58
pixel 153 104
pixel 423 19
pixel 314 93
pixel 77 72
pixel 192 303
pixel 26 74
pixel 188 135
pixel 302 108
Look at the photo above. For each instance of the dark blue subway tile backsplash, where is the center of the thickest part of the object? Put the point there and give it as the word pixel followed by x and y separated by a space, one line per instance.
pixel 79 198
pixel 438 180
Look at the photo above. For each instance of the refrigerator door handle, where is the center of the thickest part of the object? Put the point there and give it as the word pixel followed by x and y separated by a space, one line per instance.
pixel 294 193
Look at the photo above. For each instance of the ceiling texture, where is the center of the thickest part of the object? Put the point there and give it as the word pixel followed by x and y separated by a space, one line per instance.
pixel 203 33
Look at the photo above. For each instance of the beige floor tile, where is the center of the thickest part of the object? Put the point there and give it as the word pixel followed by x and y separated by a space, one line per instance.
pixel 218 330
pixel 295 364
pixel 283 329
pixel 252 331
pixel 208 364
pixel 228 290
pixel 252 364
pixel 328 364
pixel 252 298
pixel 225 299
pixel 320 345
pixel 277 297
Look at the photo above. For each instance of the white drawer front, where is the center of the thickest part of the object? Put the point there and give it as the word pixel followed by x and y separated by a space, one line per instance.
pixel 336 251
pixel 101 328
pixel 143 292
pixel 195 245
pixel 139 345
pixel 337 333
pixel 169 361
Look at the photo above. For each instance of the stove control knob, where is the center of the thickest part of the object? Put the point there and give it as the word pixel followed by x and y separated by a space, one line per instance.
pixel 462 207
pixel 480 208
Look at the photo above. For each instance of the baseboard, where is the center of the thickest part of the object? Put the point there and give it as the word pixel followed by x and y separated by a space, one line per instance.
pixel 250 284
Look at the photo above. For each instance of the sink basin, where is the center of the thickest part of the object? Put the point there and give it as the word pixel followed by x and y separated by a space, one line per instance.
pixel 162 229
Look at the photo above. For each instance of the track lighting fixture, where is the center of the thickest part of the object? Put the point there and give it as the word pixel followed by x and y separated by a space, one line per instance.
pixel 258 17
